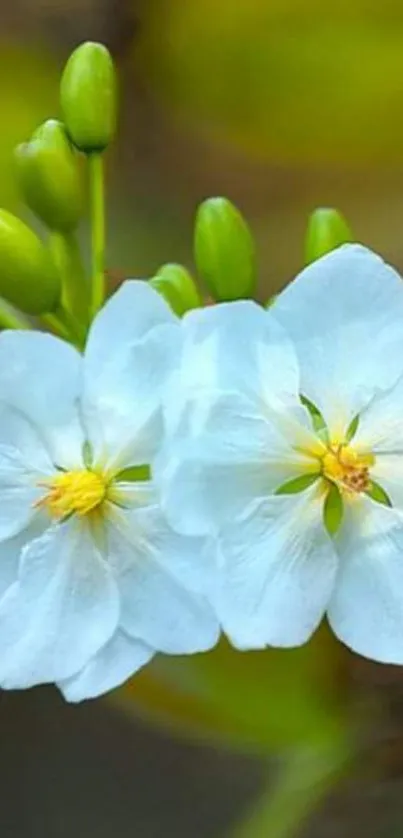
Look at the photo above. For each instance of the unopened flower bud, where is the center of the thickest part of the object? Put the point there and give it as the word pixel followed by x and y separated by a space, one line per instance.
pixel 28 276
pixel 327 229
pixel 177 287
pixel 224 250
pixel 88 97
pixel 49 177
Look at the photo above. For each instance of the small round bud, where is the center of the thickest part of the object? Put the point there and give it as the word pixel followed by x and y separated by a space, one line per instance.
pixel 224 250
pixel 178 288
pixel 327 229
pixel 28 276
pixel 88 94
pixel 49 177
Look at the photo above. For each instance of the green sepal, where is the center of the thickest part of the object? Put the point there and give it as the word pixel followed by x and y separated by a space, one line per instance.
pixel 378 494
pixel 327 229
pixel 224 251
pixel 333 510
pixel 88 95
pixel 318 422
pixel 297 484
pixel 134 474
pixel 178 288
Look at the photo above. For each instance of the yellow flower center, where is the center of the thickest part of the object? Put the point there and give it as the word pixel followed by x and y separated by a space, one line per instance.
pixel 347 467
pixel 78 492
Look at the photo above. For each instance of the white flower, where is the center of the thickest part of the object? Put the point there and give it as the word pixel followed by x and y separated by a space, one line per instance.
pixel 239 433
pixel 92 579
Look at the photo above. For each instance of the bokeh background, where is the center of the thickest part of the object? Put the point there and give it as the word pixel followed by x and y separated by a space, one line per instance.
pixel 281 105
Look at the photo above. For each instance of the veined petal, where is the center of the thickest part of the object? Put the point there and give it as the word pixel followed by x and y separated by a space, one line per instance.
pixel 344 313
pixel 278 568
pixel 40 376
pixel 61 611
pixel 366 610
pixel 122 402
pixel 226 453
pixel 155 606
pixel 120 658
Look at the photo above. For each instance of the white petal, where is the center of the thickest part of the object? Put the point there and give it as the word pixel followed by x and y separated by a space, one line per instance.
pixel 10 551
pixel 122 402
pixel 380 432
pixel 40 376
pixel 112 665
pixel 344 313
pixel 277 572
pixel 366 610
pixel 20 490
pixel 149 561
pixel 126 318
pixel 225 453
pixel 237 346
pixel 61 611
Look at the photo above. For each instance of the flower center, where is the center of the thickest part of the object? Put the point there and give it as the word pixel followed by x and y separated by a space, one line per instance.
pixel 344 466
pixel 70 492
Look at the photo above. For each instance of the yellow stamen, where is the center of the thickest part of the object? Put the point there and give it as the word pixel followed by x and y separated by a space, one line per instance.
pixel 343 465
pixel 78 492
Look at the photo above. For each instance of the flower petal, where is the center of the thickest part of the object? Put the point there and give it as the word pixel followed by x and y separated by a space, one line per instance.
pixel 40 376
pixel 19 489
pixel 366 610
pixel 149 561
pixel 344 313
pixel 122 402
pixel 240 347
pixel 380 433
pixel 120 658
pixel 127 317
pixel 277 573
pixel 226 452
pixel 11 548
pixel 61 611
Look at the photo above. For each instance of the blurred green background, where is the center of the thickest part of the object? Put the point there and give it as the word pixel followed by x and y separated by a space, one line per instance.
pixel 281 105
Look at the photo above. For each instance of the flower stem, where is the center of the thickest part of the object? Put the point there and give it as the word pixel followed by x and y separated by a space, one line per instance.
pixel 67 256
pixel 63 324
pixel 97 231
pixel 306 778
pixel 9 319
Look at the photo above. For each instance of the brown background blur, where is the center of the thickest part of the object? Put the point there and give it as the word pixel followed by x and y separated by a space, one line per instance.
pixel 281 105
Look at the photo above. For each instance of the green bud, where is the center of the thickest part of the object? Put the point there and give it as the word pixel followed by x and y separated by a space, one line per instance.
pixel 49 177
pixel 88 94
pixel 327 229
pixel 28 277
pixel 178 288
pixel 224 250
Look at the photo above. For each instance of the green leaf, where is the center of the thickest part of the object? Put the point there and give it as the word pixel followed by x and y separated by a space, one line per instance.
pixel 333 510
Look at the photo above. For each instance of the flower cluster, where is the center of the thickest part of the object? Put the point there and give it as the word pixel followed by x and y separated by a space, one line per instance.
pixel 239 467
pixel 169 471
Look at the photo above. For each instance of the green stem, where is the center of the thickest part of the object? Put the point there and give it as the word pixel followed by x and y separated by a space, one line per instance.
pixel 306 778
pixel 66 252
pixel 11 320
pixel 97 231
pixel 63 324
